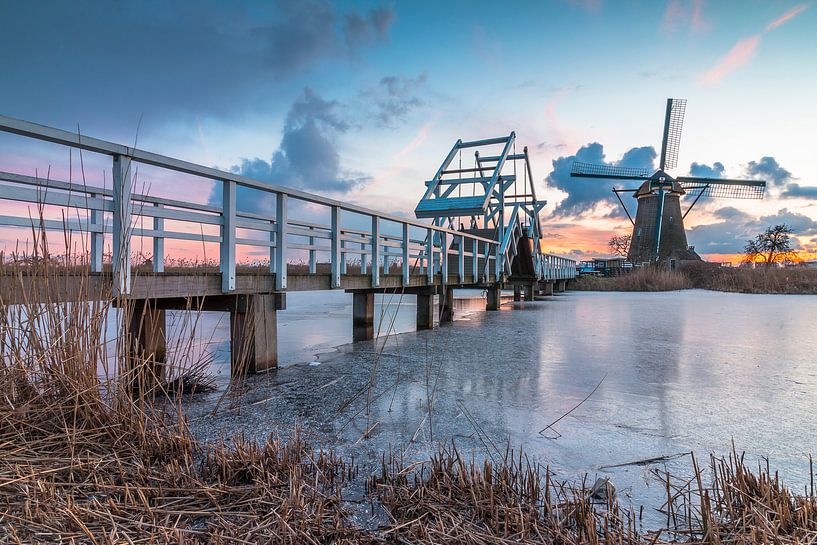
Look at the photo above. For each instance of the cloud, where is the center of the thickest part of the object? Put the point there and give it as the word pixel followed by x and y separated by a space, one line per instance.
pixel 706 171
pixel 796 191
pixel 769 169
pixel 680 13
pixel 168 58
pixel 373 27
pixel 394 98
pixel 786 17
pixel 740 54
pixel 584 194
pixel 743 51
pixel 307 157
pixel 729 235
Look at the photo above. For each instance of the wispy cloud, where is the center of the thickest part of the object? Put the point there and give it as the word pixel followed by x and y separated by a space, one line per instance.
pixel 743 51
pixel 740 54
pixel 786 17
pixel 682 13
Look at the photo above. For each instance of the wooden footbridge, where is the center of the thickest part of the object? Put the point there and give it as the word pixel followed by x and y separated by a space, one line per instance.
pixel 347 247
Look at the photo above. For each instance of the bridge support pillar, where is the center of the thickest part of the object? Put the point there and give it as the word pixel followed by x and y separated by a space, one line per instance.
pixel 447 305
pixel 560 286
pixel 547 288
pixel 362 316
pixel 425 309
pixel 253 334
pixel 147 345
pixel 517 293
pixel 528 292
pixel 494 298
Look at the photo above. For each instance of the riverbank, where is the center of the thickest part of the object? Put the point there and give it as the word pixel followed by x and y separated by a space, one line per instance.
pixel 794 281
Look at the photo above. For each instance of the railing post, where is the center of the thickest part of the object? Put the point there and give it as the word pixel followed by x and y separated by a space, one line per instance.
pixel 406 254
pixel 444 257
pixel 281 220
pixel 121 224
pixel 158 242
pixel 363 258
pixel 430 256
pixel 375 251
pixel 97 236
pixel 313 259
pixel 475 264
pixel 461 264
pixel 334 253
pixel 342 256
pixel 272 247
pixel 228 236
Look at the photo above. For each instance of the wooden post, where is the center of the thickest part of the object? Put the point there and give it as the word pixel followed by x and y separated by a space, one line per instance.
pixel 121 224
pixel 425 309
pixel 228 236
pixel 146 349
pixel 494 298
pixel 375 251
pixel 405 248
pixel 334 252
pixel 253 334
pixel 362 316
pixel 281 218
pixel 97 236
pixel 313 259
pixel 158 242
pixel 517 293
pixel 447 305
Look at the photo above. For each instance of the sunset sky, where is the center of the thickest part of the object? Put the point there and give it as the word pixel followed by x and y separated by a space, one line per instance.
pixel 363 100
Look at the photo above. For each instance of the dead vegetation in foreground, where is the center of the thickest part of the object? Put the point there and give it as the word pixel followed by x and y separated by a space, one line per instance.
pixel 709 277
pixel 85 457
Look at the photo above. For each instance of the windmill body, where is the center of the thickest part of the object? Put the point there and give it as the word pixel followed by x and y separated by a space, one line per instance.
pixel 658 227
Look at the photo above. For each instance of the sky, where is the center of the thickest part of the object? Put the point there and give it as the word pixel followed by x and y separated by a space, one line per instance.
pixel 362 101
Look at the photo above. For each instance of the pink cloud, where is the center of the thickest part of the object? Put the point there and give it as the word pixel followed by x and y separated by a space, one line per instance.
pixel 786 17
pixel 740 54
pixel 680 13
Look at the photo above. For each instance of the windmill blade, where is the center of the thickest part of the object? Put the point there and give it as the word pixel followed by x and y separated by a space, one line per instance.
pixel 673 123
pixel 722 187
pixel 589 170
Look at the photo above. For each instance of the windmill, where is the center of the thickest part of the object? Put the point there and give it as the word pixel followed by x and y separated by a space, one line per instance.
pixel 658 228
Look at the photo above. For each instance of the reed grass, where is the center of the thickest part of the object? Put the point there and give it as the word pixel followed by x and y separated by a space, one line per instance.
pixel 643 279
pixel 92 451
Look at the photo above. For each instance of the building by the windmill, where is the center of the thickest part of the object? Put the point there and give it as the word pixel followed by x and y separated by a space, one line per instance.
pixel 658 227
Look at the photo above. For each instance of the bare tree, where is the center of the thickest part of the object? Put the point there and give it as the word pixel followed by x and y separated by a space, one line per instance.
pixel 773 245
pixel 620 244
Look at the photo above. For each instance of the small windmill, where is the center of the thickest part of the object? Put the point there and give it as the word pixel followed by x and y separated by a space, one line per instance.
pixel 658 228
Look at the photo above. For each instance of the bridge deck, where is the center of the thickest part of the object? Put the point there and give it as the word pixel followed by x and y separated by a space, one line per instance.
pixel 299 226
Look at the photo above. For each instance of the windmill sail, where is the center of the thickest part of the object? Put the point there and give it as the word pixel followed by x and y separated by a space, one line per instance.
pixel 722 187
pixel 589 170
pixel 673 123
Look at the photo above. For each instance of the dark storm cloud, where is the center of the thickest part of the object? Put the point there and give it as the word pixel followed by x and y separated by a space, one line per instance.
pixel 768 169
pixel 110 62
pixel 394 98
pixel 307 157
pixel 584 194
pixel 706 171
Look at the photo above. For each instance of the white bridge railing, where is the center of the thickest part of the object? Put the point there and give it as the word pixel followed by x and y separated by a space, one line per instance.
pixel 419 247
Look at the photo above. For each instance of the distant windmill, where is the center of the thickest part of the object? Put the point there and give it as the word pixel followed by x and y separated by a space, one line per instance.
pixel 658 229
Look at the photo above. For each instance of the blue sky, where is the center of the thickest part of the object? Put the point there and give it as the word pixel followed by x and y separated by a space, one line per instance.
pixel 363 100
